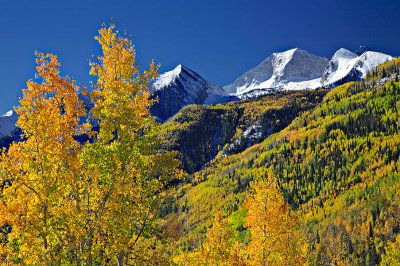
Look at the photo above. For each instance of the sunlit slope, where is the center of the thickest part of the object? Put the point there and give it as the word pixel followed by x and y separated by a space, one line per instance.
pixel 337 164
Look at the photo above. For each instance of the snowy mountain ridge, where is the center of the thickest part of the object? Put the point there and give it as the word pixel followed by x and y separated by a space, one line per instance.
pixel 166 78
pixel 346 66
pixel 180 87
pixel 294 69
pixel 297 69
pixel 183 75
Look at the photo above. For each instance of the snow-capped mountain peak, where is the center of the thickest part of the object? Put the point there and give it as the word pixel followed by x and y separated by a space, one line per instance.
pixel 7 123
pixel 343 53
pixel 281 60
pixel 347 66
pixel 291 69
pixel 339 66
pixel 180 87
pixel 167 78
pixel 8 114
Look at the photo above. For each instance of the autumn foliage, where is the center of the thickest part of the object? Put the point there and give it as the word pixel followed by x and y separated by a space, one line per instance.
pixel 218 249
pixel 337 166
pixel 42 171
pixel 274 238
pixel 91 203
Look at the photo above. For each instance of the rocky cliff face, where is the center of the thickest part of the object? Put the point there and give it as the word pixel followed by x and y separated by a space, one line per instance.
pixel 180 87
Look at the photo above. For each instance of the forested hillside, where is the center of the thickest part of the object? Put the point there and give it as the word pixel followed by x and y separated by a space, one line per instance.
pixel 337 165
pixel 200 132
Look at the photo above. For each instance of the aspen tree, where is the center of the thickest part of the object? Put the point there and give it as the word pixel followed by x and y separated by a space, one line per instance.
pixel 95 203
pixel 41 172
pixel 129 175
pixel 274 240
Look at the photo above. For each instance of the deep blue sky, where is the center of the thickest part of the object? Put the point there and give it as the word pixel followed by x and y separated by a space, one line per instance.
pixel 218 39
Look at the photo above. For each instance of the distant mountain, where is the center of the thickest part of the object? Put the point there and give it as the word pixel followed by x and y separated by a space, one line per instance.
pixel 295 69
pixel 7 123
pixel 298 69
pixel 346 66
pixel 180 87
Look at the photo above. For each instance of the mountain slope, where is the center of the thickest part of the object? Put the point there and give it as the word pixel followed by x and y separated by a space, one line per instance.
pixel 180 87
pixel 199 132
pixel 346 66
pixel 337 164
pixel 294 69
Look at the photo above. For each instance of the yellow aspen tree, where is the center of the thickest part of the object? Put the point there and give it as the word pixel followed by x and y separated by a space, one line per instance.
pixel 96 203
pixel 128 176
pixel 274 240
pixel 219 247
pixel 41 172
